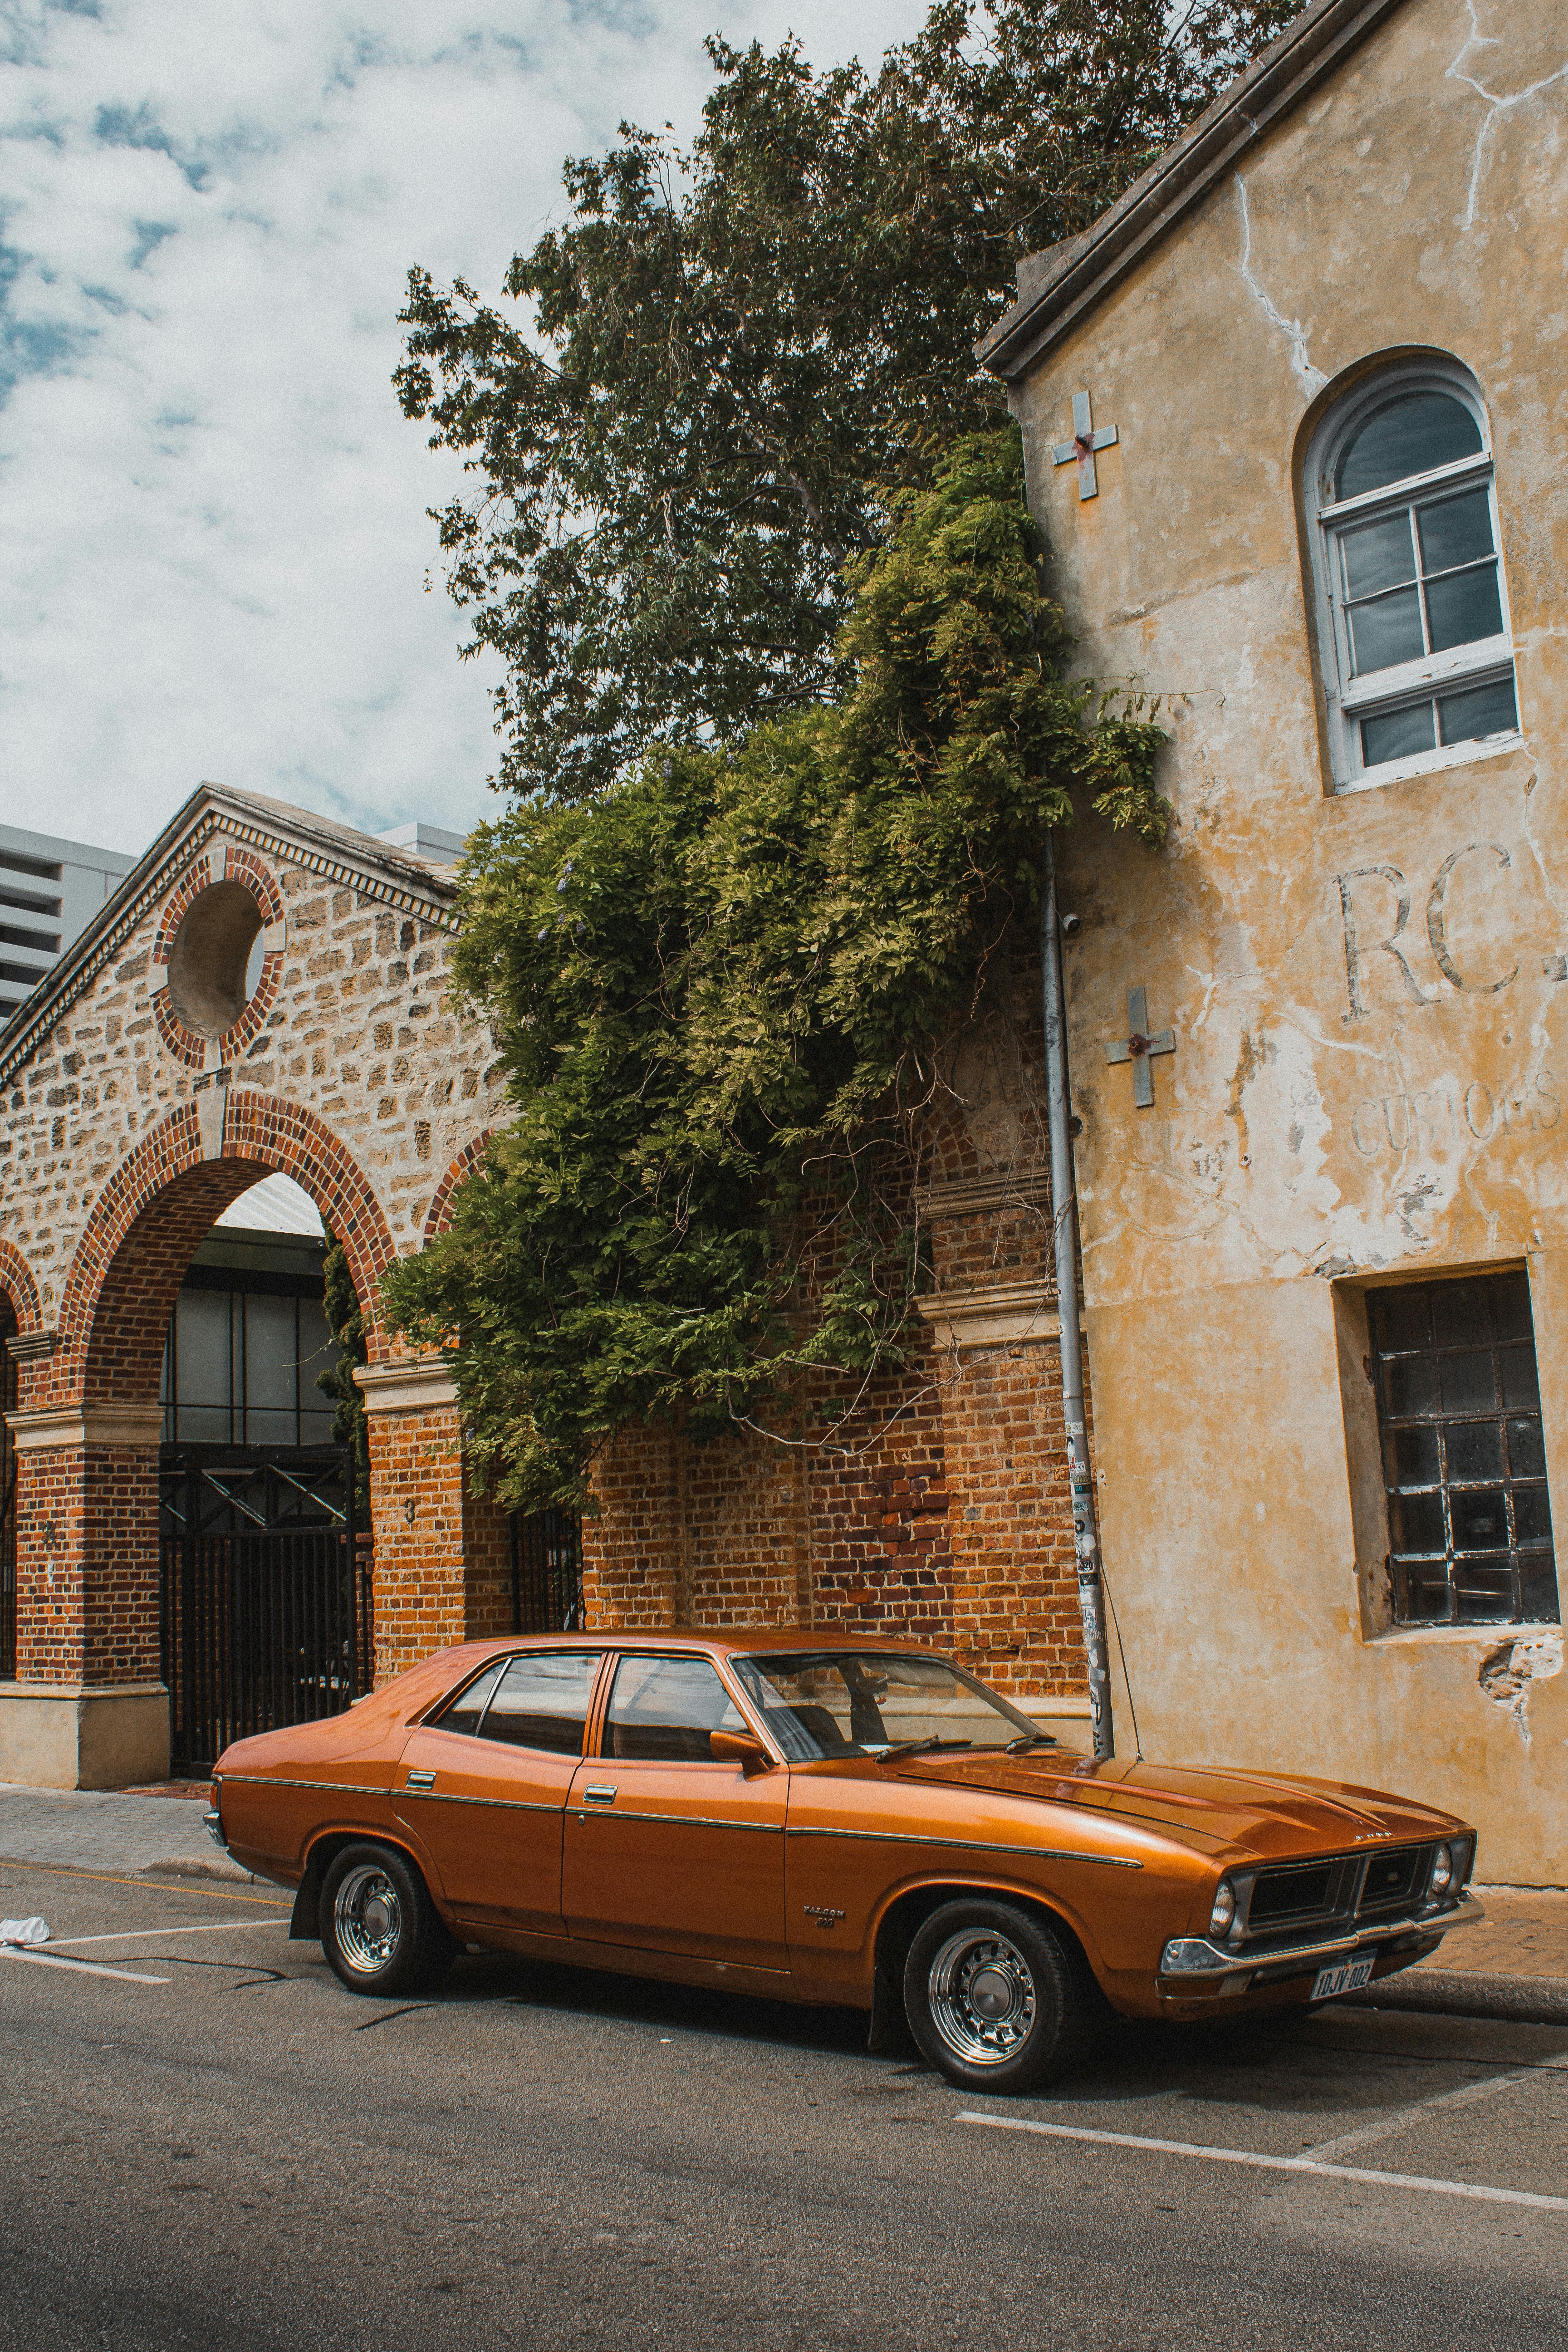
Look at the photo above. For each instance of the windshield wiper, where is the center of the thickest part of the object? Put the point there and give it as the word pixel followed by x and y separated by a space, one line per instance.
pixel 920 1747
pixel 1030 1739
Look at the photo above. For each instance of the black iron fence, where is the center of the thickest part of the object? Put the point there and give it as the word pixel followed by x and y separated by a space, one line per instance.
pixel 546 1572
pixel 266 1597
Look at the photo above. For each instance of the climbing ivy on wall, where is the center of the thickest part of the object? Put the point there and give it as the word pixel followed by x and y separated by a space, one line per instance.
pixel 720 988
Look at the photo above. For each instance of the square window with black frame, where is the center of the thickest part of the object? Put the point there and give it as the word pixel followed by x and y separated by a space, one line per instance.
pixel 1464 1462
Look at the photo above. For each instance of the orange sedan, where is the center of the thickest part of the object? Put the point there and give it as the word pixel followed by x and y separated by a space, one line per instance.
pixel 818 1818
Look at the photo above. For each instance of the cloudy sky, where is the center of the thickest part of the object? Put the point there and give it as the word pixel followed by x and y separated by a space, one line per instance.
pixel 214 548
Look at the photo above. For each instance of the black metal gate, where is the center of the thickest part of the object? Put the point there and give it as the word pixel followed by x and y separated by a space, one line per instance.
pixel 546 1572
pixel 265 1597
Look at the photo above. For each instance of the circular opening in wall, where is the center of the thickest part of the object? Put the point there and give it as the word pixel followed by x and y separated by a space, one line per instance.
pixel 215 961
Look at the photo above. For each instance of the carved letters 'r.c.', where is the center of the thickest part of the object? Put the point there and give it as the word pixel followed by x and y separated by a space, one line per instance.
pixel 1357 952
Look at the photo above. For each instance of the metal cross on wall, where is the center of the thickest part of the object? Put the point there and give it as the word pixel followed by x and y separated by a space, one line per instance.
pixel 1138 1047
pixel 1084 443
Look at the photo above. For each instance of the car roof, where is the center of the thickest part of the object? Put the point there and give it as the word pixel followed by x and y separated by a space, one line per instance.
pixel 741 1642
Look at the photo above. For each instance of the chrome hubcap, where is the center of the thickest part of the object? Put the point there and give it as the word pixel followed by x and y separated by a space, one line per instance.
pixel 368 1919
pixel 981 1996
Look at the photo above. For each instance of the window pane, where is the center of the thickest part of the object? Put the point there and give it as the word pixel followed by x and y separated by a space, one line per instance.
pixel 1422 1593
pixel 201 1351
pixel 465 1709
pixel 1479 711
pixel 1519 1383
pixel 1537 1588
pixel 1415 433
pixel 1387 631
pixel 1410 1385
pixel 1468 1385
pixel 543 1701
pixel 272 1354
pixel 1531 1516
pixel 1380 555
pixel 1463 608
pixel 270 1428
pixel 1483 1591
pixel 662 1709
pixel 1526 1453
pixel 1475 1449
pixel 204 1424
pixel 1410 1457
pixel 318 1350
pixel 1511 1306
pixel 1402 1318
pixel 1480 1520
pixel 1460 1314
pixel 1415 1523
pixel 1398 734
pixel 1455 531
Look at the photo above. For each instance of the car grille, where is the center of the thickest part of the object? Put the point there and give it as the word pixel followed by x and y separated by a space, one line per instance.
pixel 1292 1901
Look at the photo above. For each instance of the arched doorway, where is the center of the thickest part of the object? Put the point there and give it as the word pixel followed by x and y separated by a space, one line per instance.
pixel 265 1563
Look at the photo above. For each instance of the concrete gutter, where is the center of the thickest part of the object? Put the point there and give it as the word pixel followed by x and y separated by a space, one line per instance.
pixel 1468 1992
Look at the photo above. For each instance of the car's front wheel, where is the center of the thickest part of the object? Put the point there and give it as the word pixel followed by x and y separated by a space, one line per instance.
pixel 997 2000
pixel 379 1928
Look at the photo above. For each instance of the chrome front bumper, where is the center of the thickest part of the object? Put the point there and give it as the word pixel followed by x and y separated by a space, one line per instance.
pixel 214 1820
pixel 1193 1960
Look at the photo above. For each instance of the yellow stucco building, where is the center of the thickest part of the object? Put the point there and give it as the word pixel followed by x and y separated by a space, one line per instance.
pixel 1295 415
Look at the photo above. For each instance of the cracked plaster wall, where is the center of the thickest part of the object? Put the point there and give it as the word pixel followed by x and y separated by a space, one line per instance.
pixel 1335 1108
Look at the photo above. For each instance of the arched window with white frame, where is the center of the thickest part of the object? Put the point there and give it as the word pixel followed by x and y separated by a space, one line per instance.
pixel 1417 658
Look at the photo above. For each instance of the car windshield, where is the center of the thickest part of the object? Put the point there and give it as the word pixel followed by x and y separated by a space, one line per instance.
pixel 821 1702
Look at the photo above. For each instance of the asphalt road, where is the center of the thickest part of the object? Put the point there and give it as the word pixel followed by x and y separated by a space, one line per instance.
pixel 239 2154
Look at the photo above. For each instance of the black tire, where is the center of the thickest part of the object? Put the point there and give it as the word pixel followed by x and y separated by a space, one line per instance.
pixel 378 1929
pixel 997 2000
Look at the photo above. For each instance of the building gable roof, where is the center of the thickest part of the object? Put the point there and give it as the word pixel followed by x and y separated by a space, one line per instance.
pixel 396 877
pixel 1061 286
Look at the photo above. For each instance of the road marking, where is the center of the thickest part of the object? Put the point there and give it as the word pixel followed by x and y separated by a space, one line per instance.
pixel 1304 2164
pixel 77 1968
pixel 150 1934
pixel 180 1886
pixel 1404 2116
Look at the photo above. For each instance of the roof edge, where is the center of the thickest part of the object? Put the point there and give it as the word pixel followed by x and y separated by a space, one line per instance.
pixel 338 853
pixel 1082 271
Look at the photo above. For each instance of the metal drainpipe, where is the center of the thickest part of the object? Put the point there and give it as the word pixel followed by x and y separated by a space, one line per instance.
pixel 1063 1213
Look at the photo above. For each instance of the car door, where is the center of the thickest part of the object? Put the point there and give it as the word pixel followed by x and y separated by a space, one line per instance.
pixel 484 1786
pixel 666 1848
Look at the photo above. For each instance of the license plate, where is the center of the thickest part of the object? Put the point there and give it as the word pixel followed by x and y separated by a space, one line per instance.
pixel 1349 1976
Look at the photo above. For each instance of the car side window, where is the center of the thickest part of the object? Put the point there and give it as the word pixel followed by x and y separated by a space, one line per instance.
pixel 662 1710
pixel 543 1702
pixel 466 1711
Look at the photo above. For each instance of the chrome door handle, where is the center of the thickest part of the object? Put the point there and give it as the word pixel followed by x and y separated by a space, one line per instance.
pixel 421 1781
pixel 599 1796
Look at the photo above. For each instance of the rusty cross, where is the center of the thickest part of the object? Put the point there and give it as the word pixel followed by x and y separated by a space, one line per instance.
pixel 1084 443
pixel 1138 1047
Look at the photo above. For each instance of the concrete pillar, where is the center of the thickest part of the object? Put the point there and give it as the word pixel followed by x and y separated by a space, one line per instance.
pixel 88 1709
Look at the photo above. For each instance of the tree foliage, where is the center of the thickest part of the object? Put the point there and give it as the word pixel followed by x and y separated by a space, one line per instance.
pixel 345 1320
pixel 718 988
pixel 688 417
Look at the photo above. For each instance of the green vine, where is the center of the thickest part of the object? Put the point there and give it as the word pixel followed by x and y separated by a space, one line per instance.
pixel 719 989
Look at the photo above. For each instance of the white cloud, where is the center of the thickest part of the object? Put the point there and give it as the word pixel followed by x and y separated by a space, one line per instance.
pixel 213 539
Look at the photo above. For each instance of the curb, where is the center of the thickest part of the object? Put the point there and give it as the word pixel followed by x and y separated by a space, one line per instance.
pixel 185 1866
pixel 1464 1992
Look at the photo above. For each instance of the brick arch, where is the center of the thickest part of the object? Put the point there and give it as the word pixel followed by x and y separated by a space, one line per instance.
pixel 151 1216
pixel 20 1289
pixel 462 1168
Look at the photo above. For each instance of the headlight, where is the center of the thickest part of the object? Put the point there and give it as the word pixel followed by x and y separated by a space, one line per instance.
pixel 1224 1910
pixel 1442 1877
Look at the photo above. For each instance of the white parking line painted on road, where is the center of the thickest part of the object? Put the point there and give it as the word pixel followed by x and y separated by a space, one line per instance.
pixel 78 1968
pixel 1305 2164
pixel 150 1934
pixel 1404 2116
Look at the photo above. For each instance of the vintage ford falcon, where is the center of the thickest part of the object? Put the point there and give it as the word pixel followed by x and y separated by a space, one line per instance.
pixel 823 1818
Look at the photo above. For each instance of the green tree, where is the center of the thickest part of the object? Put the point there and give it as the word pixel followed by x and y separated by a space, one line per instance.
pixel 345 1320
pixel 719 987
pixel 706 382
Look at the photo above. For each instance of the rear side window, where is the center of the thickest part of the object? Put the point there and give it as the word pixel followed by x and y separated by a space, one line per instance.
pixel 469 1707
pixel 662 1710
pixel 543 1702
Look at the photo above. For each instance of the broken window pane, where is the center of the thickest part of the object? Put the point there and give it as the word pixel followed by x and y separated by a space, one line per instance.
pixel 1469 1521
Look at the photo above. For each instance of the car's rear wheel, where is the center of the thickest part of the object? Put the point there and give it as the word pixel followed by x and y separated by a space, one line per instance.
pixel 379 1928
pixel 997 2000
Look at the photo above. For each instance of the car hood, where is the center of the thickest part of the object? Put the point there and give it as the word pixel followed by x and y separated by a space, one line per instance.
pixel 1262 1813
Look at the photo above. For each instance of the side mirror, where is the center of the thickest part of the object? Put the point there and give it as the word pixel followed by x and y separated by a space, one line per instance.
pixel 739 1747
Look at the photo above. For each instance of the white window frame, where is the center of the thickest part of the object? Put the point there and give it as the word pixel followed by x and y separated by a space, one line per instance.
pixel 1350 699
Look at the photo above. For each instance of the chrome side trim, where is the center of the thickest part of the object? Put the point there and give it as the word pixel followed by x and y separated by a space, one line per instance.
pixel 277 1781
pixel 971 1845
pixel 1222 1962
pixel 502 1804
pixel 686 1821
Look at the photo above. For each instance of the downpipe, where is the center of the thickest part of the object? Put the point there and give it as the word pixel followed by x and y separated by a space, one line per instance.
pixel 1064 1220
